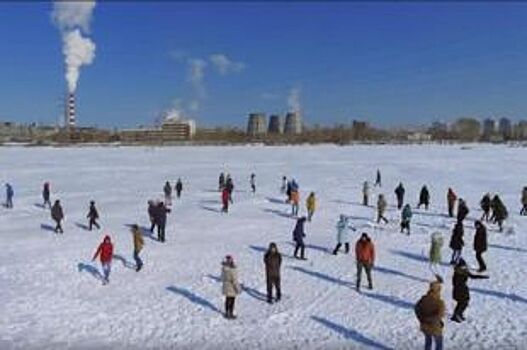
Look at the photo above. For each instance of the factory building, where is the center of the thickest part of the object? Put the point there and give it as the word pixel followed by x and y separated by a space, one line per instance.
pixel 276 125
pixel 257 124
pixel 293 124
pixel 172 130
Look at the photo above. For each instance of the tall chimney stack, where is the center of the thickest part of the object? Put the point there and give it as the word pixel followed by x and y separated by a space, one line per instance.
pixel 69 113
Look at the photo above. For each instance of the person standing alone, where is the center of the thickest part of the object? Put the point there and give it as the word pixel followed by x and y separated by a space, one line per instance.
pixel 273 262
pixel 57 214
pixel 231 286
pixel 138 246
pixel 93 215
pixel 365 256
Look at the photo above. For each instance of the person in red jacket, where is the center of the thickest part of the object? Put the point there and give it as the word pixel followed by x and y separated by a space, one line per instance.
pixel 105 253
pixel 225 197
pixel 365 255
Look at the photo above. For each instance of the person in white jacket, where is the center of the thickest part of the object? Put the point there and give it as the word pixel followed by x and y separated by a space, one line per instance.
pixel 343 228
pixel 231 286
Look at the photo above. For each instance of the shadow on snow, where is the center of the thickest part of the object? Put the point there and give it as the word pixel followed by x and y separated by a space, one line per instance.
pixel 194 298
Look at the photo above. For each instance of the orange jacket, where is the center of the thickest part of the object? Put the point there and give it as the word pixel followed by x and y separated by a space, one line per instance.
pixel 365 251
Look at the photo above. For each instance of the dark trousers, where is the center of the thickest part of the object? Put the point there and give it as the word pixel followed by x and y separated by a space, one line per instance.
pixel 47 203
pixel 485 216
pixel 58 227
pixel 153 225
pixel 273 281
pixel 405 225
pixel 438 339
pixel 229 306
pixel 161 232
pixel 138 261
pixel 460 308
pixel 178 194
pixel 310 215
pixel 380 217
pixel 367 269
pixel 253 187
pixel 456 254
pixel 365 199
pixel 294 209
pixel 93 222
pixel 337 248
pixel 399 203
pixel 225 208
pixel 300 246
pixel 481 262
pixel 451 210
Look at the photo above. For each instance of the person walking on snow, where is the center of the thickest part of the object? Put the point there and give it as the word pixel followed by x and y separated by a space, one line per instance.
pixel 381 208
pixel 462 210
pixel 451 201
pixel 424 198
pixel 311 204
pixel 284 185
pixel 460 290
pixel 480 244
pixel 456 242
pixel 93 215
pixel 365 193
pixel 138 246
pixel 399 193
pixel 523 211
pixel 229 185
pixel 9 194
pixel 225 200
pixel 57 214
pixel 406 217
pixel 499 212
pixel 298 238
pixel 231 287
pixel 179 188
pixel 343 228
pixel 253 183
pixel 167 190
pixel 295 201
pixel 273 262
pixel 365 256
pixel 152 214
pixel 46 194
pixel 105 253
pixel 221 182
pixel 485 207
pixel 430 311
pixel 378 179
pixel 161 218
pixel 435 251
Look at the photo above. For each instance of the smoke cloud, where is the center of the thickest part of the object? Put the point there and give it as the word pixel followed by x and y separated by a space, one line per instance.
pixel 293 100
pixel 73 20
pixel 225 65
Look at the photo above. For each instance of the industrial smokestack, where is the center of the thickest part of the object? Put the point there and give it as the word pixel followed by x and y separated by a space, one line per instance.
pixel 69 111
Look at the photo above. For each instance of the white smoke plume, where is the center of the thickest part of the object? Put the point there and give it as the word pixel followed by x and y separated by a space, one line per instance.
pixel 73 19
pixel 196 75
pixel 293 100
pixel 225 65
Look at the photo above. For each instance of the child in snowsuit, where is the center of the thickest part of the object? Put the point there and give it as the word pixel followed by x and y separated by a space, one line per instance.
pixel 424 197
pixel 311 204
pixel 365 256
pixel 298 238
pixel 343 228
pixel 138 246
pixel 231 287
pixel 273 262
pixel 381 208
pixel 406 217
pixel 451 201
pixel 456 242
pixel 57 214
pixel 399 193
pixel 46 193
pixel 105 252
pixel 460 291
pixel 93 215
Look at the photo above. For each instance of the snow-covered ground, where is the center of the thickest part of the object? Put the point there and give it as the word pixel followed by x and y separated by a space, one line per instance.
pixel 51 298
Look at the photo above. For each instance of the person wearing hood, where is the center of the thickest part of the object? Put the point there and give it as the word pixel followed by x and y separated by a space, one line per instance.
pixel 273 262
pixel 365 193
pixel 399 193
pixel 57 214
pixel 231 287
pixel 105 254
pixel 381 208
pixel 138 246
pixel 435 250
pixel 311 205
pixel 485 207
pixel 298 238
pixel 451 201
pixel 499 212
pixel 424 198
pixel 460 290
pixel 456 242
pixel 162 212
pixel 462 210
pixel 365 256
pixel 167 190
pixel 406 217
pixel 480 244
pixel 430 312
pixel 9 194
pixel 46 194
pixel 93 215
pixel 343 228
pixel 179 188
pixel 523 211
pixel 378 179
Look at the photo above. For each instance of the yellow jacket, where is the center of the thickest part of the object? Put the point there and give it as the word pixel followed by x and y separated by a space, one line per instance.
pixel 138 241
pixel 311 203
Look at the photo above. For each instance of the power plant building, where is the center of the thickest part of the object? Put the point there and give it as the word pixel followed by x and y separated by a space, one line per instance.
pixel 276 125
pixel 257 124
pixel 293 124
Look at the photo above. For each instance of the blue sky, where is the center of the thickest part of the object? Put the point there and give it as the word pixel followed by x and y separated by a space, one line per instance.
pixel 388 63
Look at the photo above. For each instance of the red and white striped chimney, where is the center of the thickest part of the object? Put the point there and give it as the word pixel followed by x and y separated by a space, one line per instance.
pixel 69 114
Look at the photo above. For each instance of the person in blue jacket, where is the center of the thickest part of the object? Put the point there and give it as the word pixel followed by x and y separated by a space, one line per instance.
pixel 9 194
pixel 298 237
pixel 406 216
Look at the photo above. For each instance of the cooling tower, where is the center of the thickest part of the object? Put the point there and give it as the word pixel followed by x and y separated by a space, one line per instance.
pixel 257 124
pixel 276 125
pixel 293 123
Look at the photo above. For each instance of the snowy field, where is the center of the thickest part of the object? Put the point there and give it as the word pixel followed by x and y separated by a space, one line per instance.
pixel 51 298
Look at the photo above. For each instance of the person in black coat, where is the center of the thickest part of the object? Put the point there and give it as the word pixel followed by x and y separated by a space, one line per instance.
pixel 424 198
pixel 161 220
pixel 499 211
pixel 273 262
pixel 93 215
pixel 462 210
pixel 152 212
pixel 46 194
pixel 298 237
pixel 456 243
pixel 179 188
pixel 229 185
pixel 57 214
pixel 485 206
pixel 399 193
pixel 460 291
pixel 480 244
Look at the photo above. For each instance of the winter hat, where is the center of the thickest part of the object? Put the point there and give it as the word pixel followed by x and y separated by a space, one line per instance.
pixel 461 262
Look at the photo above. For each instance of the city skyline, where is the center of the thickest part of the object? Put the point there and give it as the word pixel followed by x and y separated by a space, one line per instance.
pixel 387 63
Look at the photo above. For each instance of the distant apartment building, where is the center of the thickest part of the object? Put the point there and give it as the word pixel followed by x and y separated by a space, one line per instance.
pixel 520 130
pixel 505 128
pixel 489 129
pixel 257 124
pixel 172 130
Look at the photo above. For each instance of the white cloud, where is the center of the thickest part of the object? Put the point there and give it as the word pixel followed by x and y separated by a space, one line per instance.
pixel 225 65
pixel 293 100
